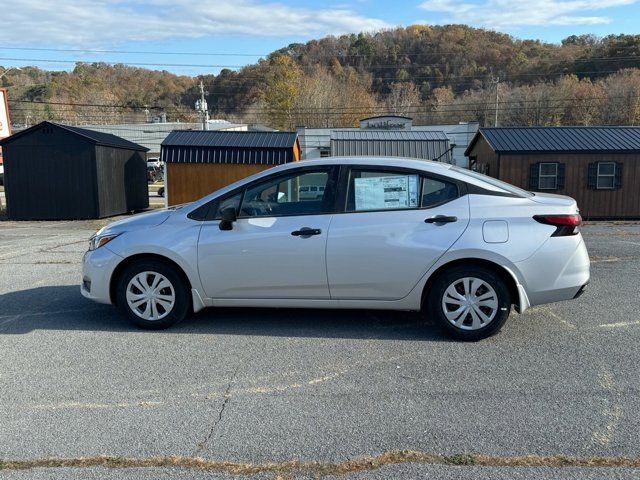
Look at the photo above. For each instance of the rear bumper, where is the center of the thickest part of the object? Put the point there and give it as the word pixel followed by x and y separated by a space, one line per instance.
pixel 581 291
pixel 559 270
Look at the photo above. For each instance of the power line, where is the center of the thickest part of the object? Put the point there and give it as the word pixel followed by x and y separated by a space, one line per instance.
pixel 135 52
pixel 422 110
pixel 283 51
pixel 324 109
pixel 136 64
pixel 200 65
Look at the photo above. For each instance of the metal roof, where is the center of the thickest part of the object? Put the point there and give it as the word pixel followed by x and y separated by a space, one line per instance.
pixel 256 148
pixel 388 135
pixel 383 143
pixel 560 139
pixel 103 138
pixel 191 138
pixel 98 138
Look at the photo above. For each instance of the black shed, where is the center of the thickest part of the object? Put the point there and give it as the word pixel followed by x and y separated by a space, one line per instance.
pixel 58 172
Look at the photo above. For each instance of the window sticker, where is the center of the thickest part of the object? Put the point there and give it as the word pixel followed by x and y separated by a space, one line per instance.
pixel 378 193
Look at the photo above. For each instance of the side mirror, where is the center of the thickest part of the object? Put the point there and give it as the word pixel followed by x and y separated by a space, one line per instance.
pixel 227 217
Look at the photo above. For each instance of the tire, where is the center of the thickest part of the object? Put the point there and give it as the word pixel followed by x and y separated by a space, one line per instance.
pixel 475 282
pixel 170 304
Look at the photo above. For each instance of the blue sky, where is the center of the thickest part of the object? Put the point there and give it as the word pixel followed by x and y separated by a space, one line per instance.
pixel 256 27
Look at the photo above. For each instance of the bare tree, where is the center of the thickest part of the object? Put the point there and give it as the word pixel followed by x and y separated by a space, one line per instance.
pixel 404 99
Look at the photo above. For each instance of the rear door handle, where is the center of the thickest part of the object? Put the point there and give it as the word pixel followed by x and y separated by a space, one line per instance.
pixel 441 219
pixel 306 232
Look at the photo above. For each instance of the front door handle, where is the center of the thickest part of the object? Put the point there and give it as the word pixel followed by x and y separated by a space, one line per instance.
pixel 441 219
pixel 306 232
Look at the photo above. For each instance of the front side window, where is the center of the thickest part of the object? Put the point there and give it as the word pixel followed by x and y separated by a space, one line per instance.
pixel 230 202
pixel 548 176
pixel 371 190
pixel 295 194
pixel 606 175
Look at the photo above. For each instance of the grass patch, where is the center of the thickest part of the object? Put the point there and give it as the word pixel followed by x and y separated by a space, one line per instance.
pixel 461 459
pixel 321 468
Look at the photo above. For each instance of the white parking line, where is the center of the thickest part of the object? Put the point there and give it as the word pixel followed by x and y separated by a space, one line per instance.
pixel 627 241
pixel 619 324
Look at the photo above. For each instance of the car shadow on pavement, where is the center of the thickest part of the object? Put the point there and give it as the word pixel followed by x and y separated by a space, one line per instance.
pixel 63 308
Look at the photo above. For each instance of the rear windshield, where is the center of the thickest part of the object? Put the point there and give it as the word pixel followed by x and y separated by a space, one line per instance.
pixel 494 182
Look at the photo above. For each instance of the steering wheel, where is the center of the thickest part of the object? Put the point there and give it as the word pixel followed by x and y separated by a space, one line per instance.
pixel 267 210
pixel 258 208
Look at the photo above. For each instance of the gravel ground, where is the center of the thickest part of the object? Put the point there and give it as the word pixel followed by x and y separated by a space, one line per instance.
pixel 256 386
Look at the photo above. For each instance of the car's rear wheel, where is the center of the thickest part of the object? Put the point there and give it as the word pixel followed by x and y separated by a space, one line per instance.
pixel 152 295
pixel 469 303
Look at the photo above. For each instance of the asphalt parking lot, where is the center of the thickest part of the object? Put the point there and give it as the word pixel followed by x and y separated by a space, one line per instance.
pixel 262 387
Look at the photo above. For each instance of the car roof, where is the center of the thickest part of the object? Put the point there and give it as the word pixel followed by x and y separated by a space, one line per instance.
pixel 416 163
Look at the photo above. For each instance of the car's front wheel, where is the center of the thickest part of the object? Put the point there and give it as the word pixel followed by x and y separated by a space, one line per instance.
pixel 469 303
pixel 152 295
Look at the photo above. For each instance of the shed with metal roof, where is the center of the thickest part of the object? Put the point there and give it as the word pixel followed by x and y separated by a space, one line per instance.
pixel 428 145
pixel 200 162
pixel 55 171
pixel 598 166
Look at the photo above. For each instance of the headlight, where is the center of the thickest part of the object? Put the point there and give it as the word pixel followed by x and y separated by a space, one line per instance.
pixel 96 241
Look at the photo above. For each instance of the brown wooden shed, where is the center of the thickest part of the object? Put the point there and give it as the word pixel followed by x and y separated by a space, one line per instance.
pixel 200 162
pixel 598 166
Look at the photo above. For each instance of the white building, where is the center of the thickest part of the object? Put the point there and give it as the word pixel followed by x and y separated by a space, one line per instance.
pixel 316 142
pixel 151 135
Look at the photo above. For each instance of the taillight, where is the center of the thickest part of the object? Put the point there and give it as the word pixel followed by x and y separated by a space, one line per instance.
pixel 565 224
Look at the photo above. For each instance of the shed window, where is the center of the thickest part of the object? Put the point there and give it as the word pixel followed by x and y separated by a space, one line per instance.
pixel 606 176
pixel 548 176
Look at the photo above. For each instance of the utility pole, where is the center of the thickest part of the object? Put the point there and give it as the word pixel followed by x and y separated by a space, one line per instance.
pixel 201 106
pixel 8 70
pixel 496 80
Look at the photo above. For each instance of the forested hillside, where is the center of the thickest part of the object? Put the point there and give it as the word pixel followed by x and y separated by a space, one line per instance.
pixel 433 73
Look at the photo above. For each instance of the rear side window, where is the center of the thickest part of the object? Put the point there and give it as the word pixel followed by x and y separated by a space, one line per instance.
pixel 436 192
pixel 494 182
pixel 371 190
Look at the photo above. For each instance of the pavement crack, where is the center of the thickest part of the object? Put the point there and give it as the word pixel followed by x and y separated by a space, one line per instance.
pixel 226 397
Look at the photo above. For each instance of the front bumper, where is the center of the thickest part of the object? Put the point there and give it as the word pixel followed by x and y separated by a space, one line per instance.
pixel 97 268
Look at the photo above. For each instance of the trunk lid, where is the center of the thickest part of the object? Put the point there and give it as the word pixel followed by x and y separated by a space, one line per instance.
pixel 554 200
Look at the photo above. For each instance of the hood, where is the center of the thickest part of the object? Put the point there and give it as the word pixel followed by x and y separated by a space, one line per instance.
pixel 141 220
pixel 553 199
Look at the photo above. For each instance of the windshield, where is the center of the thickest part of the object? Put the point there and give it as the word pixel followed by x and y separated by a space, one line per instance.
pixel 494 182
